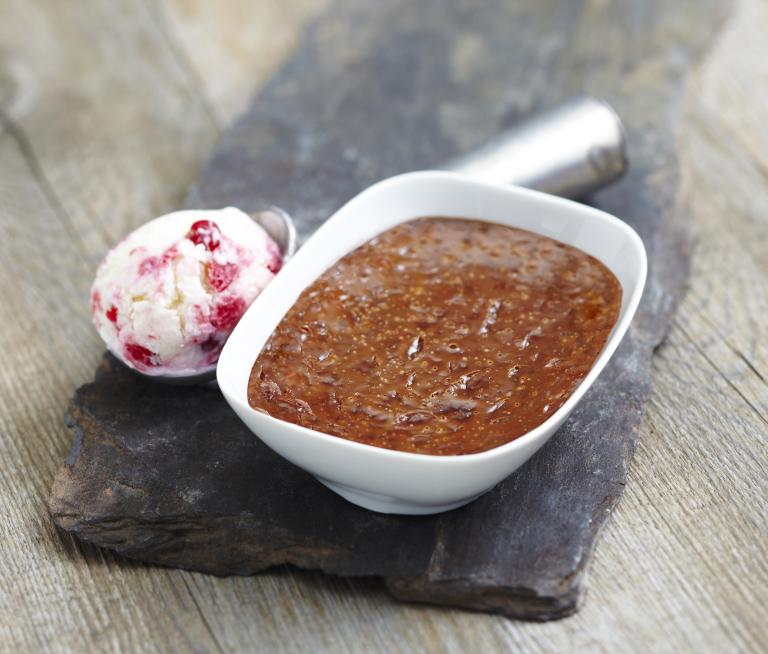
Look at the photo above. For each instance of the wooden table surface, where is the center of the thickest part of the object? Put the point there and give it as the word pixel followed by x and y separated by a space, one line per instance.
pixel 107 111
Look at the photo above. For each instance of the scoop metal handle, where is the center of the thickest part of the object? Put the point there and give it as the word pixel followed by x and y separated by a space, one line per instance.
pixel 572 150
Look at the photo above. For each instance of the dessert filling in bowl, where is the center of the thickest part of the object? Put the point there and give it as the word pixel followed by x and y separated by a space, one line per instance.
pixel 442 336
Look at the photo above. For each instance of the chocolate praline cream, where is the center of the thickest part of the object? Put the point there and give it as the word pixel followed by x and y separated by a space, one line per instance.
pixel 440 336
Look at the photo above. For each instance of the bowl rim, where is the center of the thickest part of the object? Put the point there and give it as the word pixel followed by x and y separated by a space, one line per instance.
pixel 544 429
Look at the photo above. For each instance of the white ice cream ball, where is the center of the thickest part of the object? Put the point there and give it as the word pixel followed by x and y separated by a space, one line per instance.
pixel 167 296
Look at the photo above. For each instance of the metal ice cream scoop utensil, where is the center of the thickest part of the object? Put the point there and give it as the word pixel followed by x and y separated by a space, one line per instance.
pixel 572 150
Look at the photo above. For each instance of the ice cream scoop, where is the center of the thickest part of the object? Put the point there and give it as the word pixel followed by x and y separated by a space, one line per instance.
pixel 167 296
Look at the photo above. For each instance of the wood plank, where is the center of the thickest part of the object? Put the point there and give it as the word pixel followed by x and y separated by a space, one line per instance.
pixel 688 521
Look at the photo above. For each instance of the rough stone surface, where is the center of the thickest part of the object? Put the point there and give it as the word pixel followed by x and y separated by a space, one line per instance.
pixel 169 475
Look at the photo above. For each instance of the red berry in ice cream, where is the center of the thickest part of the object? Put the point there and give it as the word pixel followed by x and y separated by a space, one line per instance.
pixel 275 259
pixel 221 275
pixel 138 354
pixel 227 313
pixel 205 232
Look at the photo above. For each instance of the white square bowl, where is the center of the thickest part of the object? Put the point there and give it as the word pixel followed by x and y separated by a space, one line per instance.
pixel 400 482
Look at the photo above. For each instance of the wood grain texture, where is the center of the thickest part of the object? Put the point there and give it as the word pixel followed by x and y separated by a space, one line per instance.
pixel 231 46
pixel 682 564
pixel 369 93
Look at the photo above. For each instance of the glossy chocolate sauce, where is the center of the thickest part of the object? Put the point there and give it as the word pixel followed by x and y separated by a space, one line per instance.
pixel 439 336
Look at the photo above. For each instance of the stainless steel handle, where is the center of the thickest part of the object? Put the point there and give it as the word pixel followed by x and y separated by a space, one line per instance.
pixel 572 150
